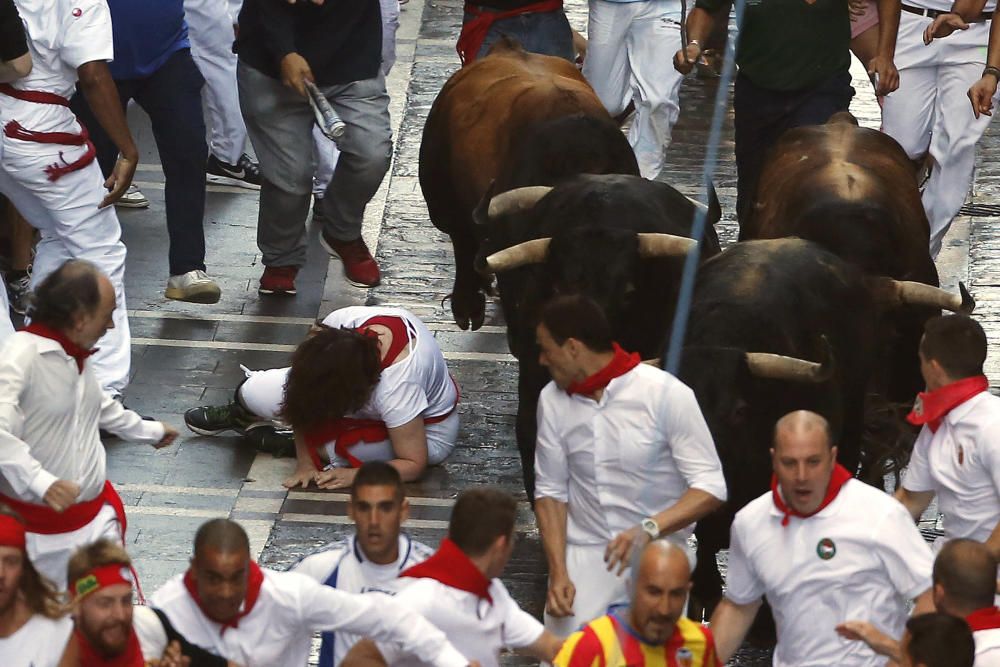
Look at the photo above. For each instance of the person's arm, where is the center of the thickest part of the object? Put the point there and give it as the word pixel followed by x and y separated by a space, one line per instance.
pixel 305 469
pixel 15 59
pixel 409 445
pixel 730 624
pixel 198 656
pixel 877 641
pixel 277 21
pixel 915 502
pixel 882 65
pixel 101 94
pixel 545 648
pixel 962 13
pixel 981 93
pixel 18 68
pixel 699 27
pixel 364 654
pixel 128 425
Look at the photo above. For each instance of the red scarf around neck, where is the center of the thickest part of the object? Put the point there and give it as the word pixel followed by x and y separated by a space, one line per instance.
pixel 931 406
pixel 69 347
pixel 255 580
pixel 619 365
pixel 452 567
pixel 130 657
pixel 984 619
pixel 839 477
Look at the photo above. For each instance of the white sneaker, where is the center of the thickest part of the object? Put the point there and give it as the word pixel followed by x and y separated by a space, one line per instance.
pixel 133 198
pixel 193 286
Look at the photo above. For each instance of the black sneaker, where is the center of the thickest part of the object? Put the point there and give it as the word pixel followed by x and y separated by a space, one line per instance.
pixel 245 173
pixel 278 442
pixel 216 419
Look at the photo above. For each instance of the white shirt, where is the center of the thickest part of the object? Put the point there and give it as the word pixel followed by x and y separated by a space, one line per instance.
pixel 290 608
pixel 417 386
pixel 478 629
pixel 343 566
pixel 38 643
pixel 861 557
pixel 50 415
pixel 626 457
pixel 62 36
pixel 961 464
pixel 987 648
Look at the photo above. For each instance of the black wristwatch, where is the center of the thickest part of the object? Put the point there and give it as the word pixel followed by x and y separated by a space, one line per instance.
pixel 995 71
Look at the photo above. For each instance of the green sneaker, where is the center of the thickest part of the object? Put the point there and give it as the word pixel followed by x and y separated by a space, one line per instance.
pixel 216 419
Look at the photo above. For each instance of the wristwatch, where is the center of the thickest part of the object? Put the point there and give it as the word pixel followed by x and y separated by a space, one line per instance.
pixel 651 528
pixel 994 71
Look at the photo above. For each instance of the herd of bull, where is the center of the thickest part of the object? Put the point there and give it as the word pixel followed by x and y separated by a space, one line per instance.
pixel 819 306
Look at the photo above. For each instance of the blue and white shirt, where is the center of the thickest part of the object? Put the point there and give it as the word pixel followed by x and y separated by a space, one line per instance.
pixel 342 565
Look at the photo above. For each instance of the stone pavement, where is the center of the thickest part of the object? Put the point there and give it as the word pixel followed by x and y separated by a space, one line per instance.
pixel 186 355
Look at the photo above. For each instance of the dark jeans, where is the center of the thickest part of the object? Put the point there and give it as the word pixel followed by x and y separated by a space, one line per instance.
pixel 172 97
pixel 547 33
pixel 761 116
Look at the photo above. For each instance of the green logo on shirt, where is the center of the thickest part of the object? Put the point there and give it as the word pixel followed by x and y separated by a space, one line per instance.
pixel 826 549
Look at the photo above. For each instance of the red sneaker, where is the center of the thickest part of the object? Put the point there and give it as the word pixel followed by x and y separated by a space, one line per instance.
pixel 359 266
pixel 278 280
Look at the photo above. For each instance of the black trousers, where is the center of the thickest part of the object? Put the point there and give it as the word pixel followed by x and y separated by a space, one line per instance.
pixel 761 116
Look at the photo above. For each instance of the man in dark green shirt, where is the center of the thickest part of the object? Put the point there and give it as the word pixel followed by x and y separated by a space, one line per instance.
pixel 793 58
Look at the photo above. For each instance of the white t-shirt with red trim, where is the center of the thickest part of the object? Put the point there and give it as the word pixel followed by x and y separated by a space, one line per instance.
pixel 961 464
pixel 859 558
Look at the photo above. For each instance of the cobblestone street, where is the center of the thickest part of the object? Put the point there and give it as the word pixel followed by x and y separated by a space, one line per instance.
pixel 186 355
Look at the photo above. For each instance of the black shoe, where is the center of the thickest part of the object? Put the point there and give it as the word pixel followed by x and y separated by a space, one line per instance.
pixel 215 419
pixel 245 173
pixel 270 440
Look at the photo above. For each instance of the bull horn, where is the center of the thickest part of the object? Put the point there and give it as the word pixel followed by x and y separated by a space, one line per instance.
pixel 516 201
pixel 664 245
pixel 528 252
pixel 655 362
pixel 779 367
pixel 921 294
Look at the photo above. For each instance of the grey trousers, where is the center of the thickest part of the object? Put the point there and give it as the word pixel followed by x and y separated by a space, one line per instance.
pixel 279 123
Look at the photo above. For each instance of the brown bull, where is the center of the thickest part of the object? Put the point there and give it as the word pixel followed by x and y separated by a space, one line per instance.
pixel 513 119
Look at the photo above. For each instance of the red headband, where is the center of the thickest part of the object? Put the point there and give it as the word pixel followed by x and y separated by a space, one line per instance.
pixel 11 532
pixel 101 577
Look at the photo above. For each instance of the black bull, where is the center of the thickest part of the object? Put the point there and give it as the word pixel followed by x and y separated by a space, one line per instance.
pixel 606 240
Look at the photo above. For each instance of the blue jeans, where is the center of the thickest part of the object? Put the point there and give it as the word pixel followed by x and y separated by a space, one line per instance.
pixel 547 33
pixel 172 97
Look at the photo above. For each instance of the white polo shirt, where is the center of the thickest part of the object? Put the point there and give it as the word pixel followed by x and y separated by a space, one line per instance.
pixel 38 643
pixel 62 35
pixel 625 457
pixel 290 608
pixel 477 628
pixel 861 557
pixel 343 566
pixel 961 464
pixel 987 648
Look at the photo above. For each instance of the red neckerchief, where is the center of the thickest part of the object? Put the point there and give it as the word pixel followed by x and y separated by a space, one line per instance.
pixel 130 657
pixel 620 364
pixel 839 477
pixel 452 567
pixel 255 579
pixel 931 406
pixel 68 346
pixel 987 618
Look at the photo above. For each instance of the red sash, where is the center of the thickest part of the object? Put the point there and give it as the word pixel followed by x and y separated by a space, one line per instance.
pixel 255 579
pixel 619 365
pixel 984 619
pixel 474 31
pixel 44 520
pixel 130 657
pixel 348 431
pixel 69 347
pixel 932 406
pixel 452 567
pixel 839 477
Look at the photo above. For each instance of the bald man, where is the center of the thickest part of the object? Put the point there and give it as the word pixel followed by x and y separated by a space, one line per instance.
pixel 652 630
pixel 824 548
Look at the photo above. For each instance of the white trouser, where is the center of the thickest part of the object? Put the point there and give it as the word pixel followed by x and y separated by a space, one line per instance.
pixel 50 554
pixel 596 588
pixel 6 327
pixel 630 50
pixel 210 29
pixel 263 392
pixel 326 152
pixel 71 226
pixel 931 113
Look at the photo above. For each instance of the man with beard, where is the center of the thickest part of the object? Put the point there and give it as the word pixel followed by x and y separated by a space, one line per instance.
pixel 110 631
pixel 372 557
pixel 228 604
pixel 652 631
pixel 33 627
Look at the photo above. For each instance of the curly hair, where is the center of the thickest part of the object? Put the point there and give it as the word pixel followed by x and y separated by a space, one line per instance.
pixel 42 596
pixel 333 374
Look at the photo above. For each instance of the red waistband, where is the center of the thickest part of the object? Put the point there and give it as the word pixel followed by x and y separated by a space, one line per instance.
pixel 474 31
pixel 44 520
pixel 36 96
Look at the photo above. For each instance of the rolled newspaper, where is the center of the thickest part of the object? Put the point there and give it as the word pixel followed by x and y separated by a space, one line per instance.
pixel 326 118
